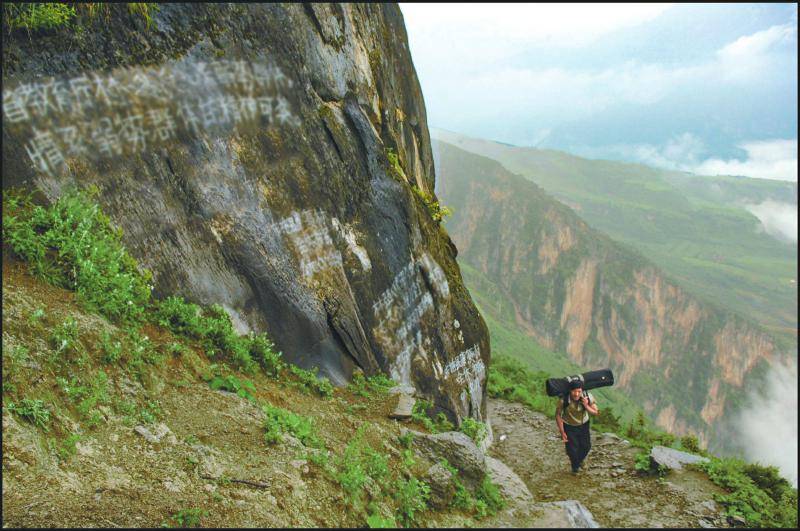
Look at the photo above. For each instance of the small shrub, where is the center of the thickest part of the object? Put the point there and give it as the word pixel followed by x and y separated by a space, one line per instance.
pixel 243 388
pixel 278 421
pixel 366 387
pixel 474 429
pixel 437 211
pixel 68 448
pixel 20 354
pixel 191 517
pixel 33 411
pixel 180 317
pixel 406 439
pixel 308 380
pixel 359 464
pixel 377 521
pixel 690 443
pixel 263 351
pixel 151 412
pixel 420 414
pixel 643 463
pixel 488 493
pixel 36 316
pixel 64 336
pixel 412 498
pixel 112 350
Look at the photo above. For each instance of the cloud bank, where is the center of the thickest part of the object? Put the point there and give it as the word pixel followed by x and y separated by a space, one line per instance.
pixel 769 425
pixel 778 219
pixel 766 159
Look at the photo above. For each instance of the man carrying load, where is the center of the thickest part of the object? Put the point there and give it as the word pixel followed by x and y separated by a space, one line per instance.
pixel 572 418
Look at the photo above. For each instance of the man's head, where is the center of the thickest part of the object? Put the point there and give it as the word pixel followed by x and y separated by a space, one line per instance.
pixel 575 390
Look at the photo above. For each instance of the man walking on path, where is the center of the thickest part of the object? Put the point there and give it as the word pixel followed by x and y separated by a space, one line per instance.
pixel 572 418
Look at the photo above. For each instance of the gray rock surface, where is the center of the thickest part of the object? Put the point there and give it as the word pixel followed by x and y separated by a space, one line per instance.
pixel 568 513
pixel 509 483
pixel 459 450
pixel 673 459
pixel 404 407
pixel 442 487
pixel 305 229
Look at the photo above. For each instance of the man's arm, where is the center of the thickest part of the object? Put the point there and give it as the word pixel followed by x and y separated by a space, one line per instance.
pixel 560 422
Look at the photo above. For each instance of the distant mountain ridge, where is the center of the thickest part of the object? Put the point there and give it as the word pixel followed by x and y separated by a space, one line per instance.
pixel 575 290
pixel 695 228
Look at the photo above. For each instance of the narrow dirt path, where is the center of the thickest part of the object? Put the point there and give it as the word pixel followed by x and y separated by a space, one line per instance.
pixel 607 485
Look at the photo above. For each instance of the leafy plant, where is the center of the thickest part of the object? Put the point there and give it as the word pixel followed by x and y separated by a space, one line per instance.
pixel 72 244
pixel 365 387
pixel 68 448
pixel 112 350
pixel 690 443
pixel 32 410
pixel 437 211
pixel 64 336
pixel 474 429
pixel 35 316
pixel 439 424
pixel 308 380
pixel 278 421
pixel 243 388
pixel 191 517
pixel 377 521
pixel 643 462
pixel 412 497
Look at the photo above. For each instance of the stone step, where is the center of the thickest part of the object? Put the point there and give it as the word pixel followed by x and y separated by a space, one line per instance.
pixel 405 405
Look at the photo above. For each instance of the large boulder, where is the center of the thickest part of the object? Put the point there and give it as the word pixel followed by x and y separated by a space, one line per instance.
pixel 298 211
pixel 673 459
pixel 508 482
pixel 459 450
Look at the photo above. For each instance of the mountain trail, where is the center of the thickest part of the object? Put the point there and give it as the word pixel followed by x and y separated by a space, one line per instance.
pixel 607 485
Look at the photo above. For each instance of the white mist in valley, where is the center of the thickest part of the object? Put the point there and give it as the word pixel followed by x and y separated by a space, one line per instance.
pixel 779 219
pixel 768 424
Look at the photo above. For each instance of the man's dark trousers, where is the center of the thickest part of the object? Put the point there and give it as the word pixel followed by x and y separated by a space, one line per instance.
pixel 578 443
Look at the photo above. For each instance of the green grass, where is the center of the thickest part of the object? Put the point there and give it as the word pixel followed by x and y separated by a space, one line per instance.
pixel 38 16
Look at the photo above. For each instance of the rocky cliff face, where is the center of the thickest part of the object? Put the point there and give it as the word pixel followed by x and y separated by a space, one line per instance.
pixel 576 291
pixel 282 202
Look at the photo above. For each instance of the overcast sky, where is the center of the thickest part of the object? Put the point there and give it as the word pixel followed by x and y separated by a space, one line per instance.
pixel 704 88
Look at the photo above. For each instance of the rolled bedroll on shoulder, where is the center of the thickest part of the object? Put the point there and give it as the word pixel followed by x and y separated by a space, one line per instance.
pixel 591 380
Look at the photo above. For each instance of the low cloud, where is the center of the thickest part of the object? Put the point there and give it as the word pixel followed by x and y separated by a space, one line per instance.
pixel 766 159
pixel 769 426
pixel 778 219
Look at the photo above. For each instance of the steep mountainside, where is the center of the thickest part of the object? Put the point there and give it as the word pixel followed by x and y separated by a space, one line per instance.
pixel 576 291
pixel 261 157
pixel 696 228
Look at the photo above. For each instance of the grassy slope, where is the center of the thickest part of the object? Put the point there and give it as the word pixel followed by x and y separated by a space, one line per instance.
pixel 86 465
pixel 704 239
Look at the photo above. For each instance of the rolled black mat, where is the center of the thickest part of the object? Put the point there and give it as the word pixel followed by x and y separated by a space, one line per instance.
pixel 591 380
